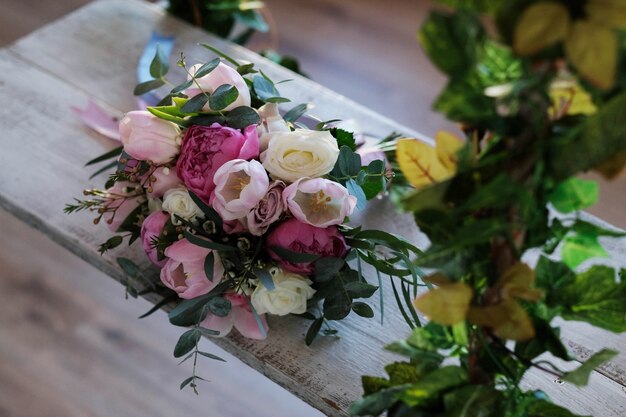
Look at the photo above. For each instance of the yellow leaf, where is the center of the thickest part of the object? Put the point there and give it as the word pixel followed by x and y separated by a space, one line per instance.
pixel 447 304
pixel 592 50
pixel 448 145
pixel 517 282
pixel 613 166
pixel 569 96
pixel 611 13
pixel 541 25
pixel 508 320
pixel 419 163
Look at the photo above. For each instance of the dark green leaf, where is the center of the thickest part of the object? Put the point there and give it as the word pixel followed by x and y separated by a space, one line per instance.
pixel 187 342
pixel 205 119
pixel 242 117
pixel 265 277
pixel 375 404
pixel 160 64
pixel 195 104
pixel 147 86
pixel 219 306
pixel 355 190
pixel 359 289
pixel 129 267
pixel 207 244
pixel 113 153
pixel 327 268
pixel 211 356
pixel 222 97
pixel 111 243
pixel 186 382
pixel 209 266
pixel 246 69
pixel 543 408
pixel 433 384
pixel 207 210
pixel 107 167
pixel 585 228
pixel 362 309
pixel 344 138
pixel 222 54
pixel 181 87
pixel 337 307
pixel 294 257
pixel 206 68
pixel 264 88
pixel 166 300
pixel 314 329
pixel 295 113
pixel 474 401
pixel 580 376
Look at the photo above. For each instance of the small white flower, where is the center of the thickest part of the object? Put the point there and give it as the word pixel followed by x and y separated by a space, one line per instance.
pixel 289 296
pixel 301 153
pixel 177 201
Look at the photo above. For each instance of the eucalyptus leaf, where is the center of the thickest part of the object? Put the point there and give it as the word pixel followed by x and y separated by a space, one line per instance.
pixel 187 342
pixel 358 289
pixel 222 97
pixel 196 103
pixel 313 331
pixel 160 63
pixel 147 86
pixel 327 268
pixel 362 309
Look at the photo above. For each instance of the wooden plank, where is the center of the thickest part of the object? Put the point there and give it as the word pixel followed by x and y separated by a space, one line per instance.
pixel 309 372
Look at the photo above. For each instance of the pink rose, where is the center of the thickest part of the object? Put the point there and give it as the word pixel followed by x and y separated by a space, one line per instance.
pixel 206 148
pixel 318 201
pixel 150 229
pixel 222 74
pixel 269 210
pixel 239 186
pixel 148 138
pixel 304 238
pixel 240 316
pixel 121 200
pixel 184 270
pixel 163 179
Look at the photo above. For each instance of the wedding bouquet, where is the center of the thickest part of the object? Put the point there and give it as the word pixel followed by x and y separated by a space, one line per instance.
pixel 243 209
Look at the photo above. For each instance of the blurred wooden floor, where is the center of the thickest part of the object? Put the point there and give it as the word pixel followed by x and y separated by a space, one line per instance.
pixel 70 344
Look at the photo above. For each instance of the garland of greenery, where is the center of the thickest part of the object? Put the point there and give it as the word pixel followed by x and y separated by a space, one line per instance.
pixel 539 89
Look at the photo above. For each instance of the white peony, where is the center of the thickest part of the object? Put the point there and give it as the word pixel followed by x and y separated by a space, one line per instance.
pixel 301 153
pixel 177 201
pixel 289 296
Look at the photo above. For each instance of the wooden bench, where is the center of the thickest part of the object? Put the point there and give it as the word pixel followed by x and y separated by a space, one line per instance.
pixel 92 53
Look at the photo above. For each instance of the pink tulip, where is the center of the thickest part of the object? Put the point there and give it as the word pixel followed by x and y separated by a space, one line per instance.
pixel 151 228
pixel 165 178
pixel 148 138
pixel 184 270
pixel 319 202
pixel 239 186
pixel 240 316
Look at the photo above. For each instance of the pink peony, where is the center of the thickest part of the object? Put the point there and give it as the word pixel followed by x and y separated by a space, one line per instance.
pixel 269 210
pixel 184 270
pixel 151 228
pixel 319 202
pixel 300 237
pixel 164 178
pixel 121 200
pixel 221 75
pixel 148 138
pixel 240 316
pixel 206 148
pixel 239 186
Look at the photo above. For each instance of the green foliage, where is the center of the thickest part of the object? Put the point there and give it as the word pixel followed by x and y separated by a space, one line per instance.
pixel 574 194
pixel 580 376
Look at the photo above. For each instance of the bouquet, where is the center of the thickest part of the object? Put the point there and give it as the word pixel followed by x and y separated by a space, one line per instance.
pixel 243 208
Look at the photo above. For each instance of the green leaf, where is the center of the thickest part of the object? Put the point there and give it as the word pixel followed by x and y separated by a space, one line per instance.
pixel 574 194
pixel 167 116
pixel 219 306
pixel 355 190
pixel 580 376
pixel 402 373
pixel 207 244
pixel 147 86
pixel 595 297
pixel 337 306
pixel 344 138
pixel 166 300
pixel 265 277
pixel 294 257
pixel 348 163
pixel 327 268
pixel 543 408
pixel 129 267
pixel 222 54
pixel 603 136
pixel 113 153
pixel 160 64
pixel 474 401
pixel 209 266
pixel 211 356
pixel 190 312
pixel 480 6
pixel 252 19
pixel 205 69
pixel 579 248
pixel 186 382
pixel 111 243
pixel 181 87
pixel 222 97
pixel 362 309
pixel 242 117
pixel 196 103
pixel 265 89
pixel 547 339
pixel 187 342
pixel 551 275
pixel 207 210
pixel 246 69
pixel 372 384
pixel 375 404
pixel 359 289
pixel 452 41
pixel 295 113
pixel 313 331
pixel 433 384
pixel 585 228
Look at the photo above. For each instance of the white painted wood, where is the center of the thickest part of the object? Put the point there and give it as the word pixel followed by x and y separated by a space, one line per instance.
pixel 93 53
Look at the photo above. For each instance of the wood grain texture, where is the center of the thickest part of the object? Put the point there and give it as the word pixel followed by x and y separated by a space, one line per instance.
pixel 98 61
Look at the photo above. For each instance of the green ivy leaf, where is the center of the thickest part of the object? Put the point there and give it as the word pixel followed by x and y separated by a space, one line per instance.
pixel 574 194
pixel 543 408
pixel 474 401
pixel 579 248
pixel 432 385
pixel 580 376
pixel 375 404
pixel 402 373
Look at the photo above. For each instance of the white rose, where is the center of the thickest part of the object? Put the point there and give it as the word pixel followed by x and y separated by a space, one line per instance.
pixel 301 153
pixel 289 296
pixel 271 122
pixel 177 201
